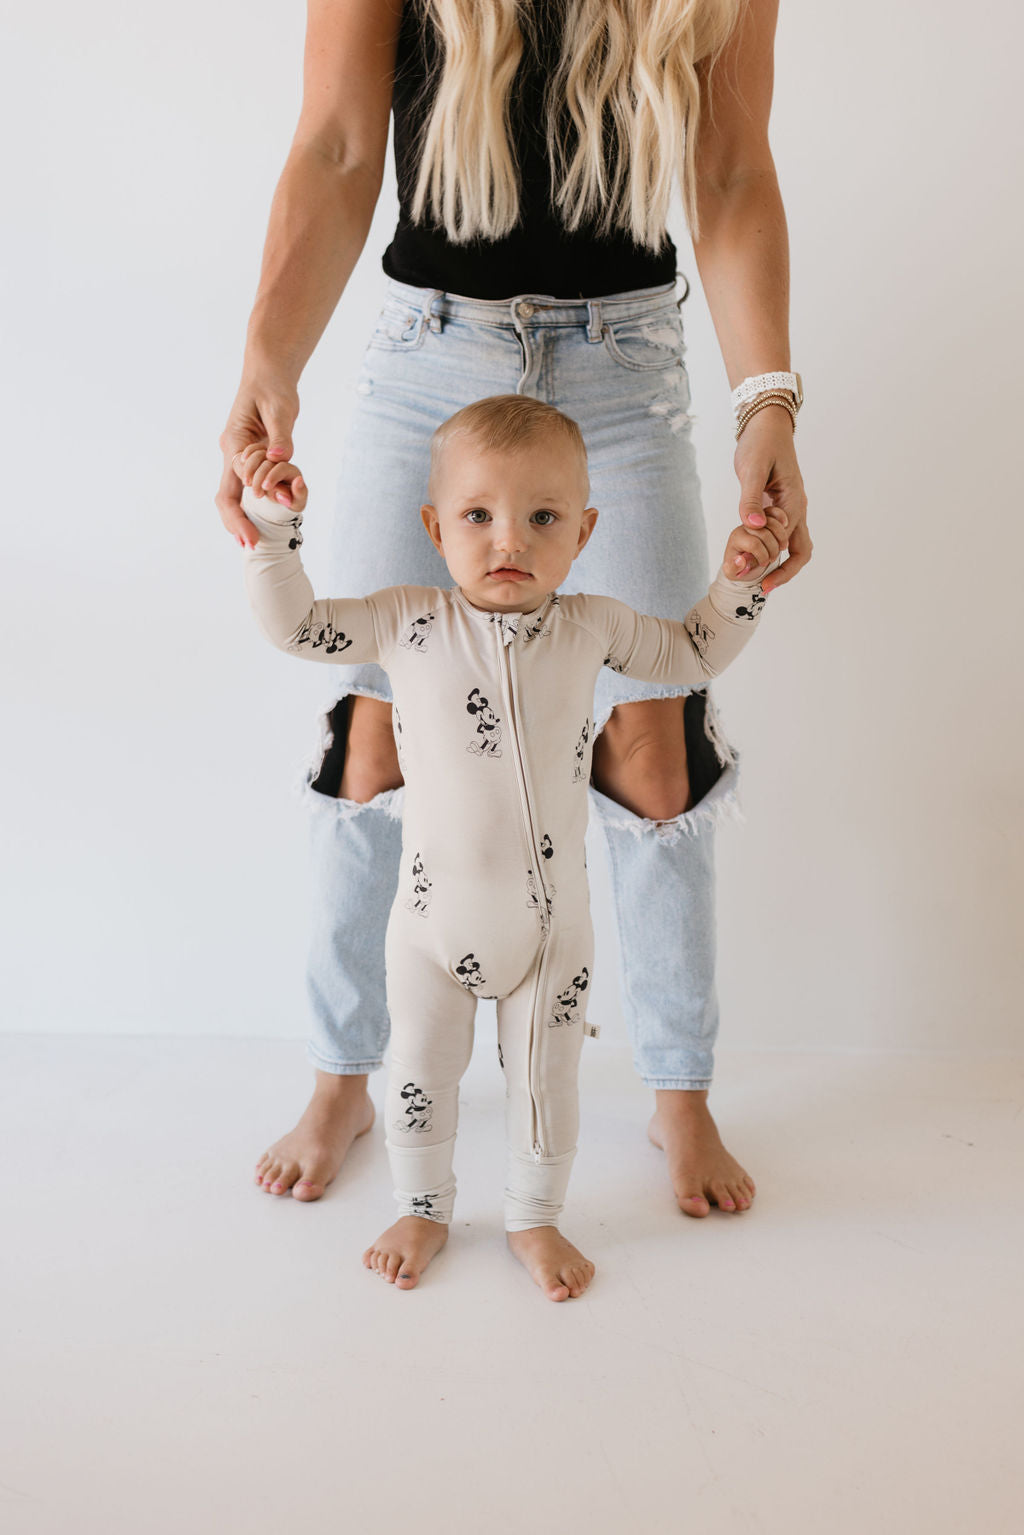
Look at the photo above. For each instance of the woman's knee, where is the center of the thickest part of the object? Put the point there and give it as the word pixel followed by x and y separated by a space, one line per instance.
pixel 641 759
pixel 371 757
pixel 361 760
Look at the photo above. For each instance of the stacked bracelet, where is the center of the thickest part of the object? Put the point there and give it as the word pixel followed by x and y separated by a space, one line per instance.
pixel 772 397
pixel 754 394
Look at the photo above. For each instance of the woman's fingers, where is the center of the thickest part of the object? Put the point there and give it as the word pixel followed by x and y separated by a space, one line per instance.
pixel 800 549
pixel 231 514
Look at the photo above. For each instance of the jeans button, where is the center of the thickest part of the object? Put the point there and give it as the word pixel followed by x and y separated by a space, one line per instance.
pixel 525 310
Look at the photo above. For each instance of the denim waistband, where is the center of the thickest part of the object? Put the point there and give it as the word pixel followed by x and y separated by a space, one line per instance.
pixel 537 308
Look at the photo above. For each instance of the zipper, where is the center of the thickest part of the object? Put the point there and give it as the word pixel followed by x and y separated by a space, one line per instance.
pixel 505 636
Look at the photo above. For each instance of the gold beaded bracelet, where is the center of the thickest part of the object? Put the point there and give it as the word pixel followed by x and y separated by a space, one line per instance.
pixel 772 397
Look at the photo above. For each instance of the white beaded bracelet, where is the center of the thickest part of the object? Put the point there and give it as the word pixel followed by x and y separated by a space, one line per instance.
pixel 751 387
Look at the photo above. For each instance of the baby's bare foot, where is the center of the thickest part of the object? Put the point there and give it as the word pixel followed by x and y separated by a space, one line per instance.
pixel 552 1262
pixel 402 1252
pixel 702 1171
pixel 308 1157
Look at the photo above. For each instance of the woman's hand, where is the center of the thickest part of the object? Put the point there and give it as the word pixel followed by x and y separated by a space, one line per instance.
pixel 769 476
pixel 263 415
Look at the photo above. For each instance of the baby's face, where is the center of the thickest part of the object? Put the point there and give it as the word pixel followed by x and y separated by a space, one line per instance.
pixel 509 525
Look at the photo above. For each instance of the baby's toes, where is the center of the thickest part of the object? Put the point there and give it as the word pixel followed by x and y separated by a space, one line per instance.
pixel 392 1264
pixel 270 1172
pixel 722 1195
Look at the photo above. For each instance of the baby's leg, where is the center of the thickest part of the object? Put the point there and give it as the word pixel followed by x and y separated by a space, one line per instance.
pixel 431 1043
pixel 542 1108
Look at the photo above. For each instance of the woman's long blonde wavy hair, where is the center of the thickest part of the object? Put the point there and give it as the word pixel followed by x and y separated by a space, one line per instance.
pixel 622 112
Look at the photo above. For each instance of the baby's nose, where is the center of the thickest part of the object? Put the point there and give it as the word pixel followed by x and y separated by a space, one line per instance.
pixel 510 539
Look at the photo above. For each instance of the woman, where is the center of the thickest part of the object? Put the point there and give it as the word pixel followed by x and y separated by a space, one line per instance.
pixel 536 147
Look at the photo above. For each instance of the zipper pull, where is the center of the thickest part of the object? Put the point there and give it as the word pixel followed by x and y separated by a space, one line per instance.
pixel 508 623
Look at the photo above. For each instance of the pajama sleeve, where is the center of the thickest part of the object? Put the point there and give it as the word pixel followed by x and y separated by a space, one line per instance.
pixel 317 629
pixel 709 638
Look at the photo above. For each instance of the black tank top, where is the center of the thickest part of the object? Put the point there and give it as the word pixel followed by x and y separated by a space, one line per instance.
pixel 539 255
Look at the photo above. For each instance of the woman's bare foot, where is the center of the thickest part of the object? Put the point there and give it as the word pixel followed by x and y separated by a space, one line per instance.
pixel 551 1261
pixel 308 1158
pixel 703 1173
pixel 402 1252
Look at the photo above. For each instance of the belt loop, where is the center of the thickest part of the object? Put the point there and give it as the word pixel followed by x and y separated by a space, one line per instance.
pixel 434 295
pixel 595 326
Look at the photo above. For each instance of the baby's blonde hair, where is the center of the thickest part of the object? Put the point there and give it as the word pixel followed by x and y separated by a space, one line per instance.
pixel 504 423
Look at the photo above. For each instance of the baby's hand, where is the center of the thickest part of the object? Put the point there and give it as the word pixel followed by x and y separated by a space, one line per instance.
pixel 751 550
pixel 269 477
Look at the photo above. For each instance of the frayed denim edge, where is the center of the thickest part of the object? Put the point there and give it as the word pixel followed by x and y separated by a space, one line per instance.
pixel 720 803
pixel 388 800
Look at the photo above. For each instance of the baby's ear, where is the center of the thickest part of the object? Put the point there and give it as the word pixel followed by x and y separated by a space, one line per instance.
pixel 432 523
pixel 587 522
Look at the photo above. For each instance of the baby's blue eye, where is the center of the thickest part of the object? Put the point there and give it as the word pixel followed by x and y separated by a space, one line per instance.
pixel 549 518
pixel 477 515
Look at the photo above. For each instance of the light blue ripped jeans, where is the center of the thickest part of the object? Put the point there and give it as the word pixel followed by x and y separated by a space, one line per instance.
pixel 615 364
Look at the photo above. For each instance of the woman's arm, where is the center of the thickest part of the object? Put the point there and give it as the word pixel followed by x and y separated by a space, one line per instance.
pixel 743 259
pixel 319 219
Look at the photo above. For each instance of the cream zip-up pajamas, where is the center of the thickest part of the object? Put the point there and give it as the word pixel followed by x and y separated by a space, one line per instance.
pixel 494 727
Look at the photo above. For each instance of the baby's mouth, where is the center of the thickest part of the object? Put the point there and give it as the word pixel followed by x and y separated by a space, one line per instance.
pixel 508 573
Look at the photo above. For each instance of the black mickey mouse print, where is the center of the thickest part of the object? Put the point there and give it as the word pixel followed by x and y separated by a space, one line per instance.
pixel 396 726
pixel 501 1058
pixel 757 602
pixel 614 664
pixel 295 523
pixel 418 1109
pixel 581 750
pixel 488 726
pixel 567 1002
pixel 315 633
pixel 469 973
pixel 418 633
pixel 533 895
pixel 538 630
pixel 421 888
pixel 547 849
pixel 422 1204
pixel 699 632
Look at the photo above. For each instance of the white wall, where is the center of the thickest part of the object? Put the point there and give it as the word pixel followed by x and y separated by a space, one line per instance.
pixel 155 864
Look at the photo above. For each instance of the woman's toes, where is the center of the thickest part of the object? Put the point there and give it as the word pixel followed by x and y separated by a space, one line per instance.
pixel 307 1189
pixel 286 1175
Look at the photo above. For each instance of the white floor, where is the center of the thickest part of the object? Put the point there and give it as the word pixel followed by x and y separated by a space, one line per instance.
pixel 182 1353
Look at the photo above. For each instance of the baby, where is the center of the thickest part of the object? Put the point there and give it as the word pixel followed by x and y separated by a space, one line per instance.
pixel 493 682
